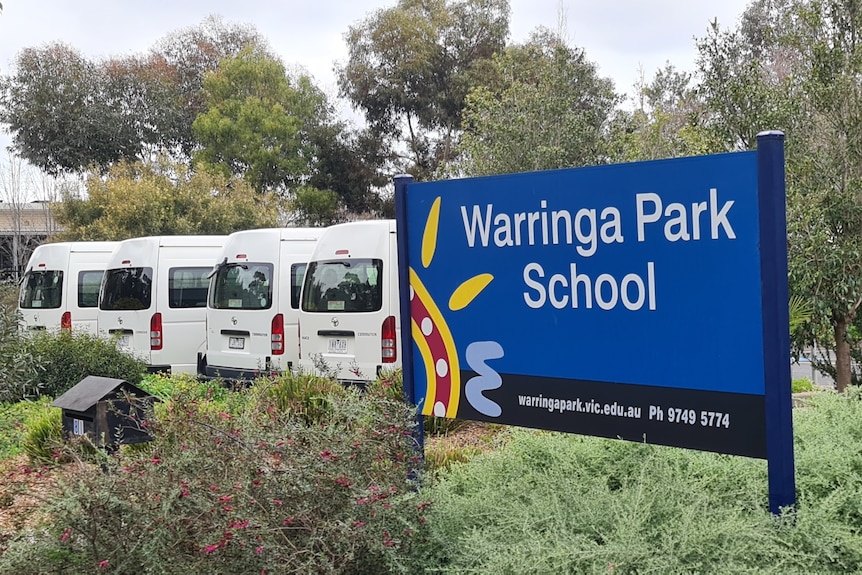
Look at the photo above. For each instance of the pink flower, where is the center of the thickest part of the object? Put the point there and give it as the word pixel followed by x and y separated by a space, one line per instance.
pixel 65 536
pixel 358 523
pixel 210 548
pixel 259 550
pixel 224 498
pixel 155 460
pixel 277 501
pixel 104 564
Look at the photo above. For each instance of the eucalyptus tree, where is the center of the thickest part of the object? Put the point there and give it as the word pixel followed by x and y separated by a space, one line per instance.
pixel 66 112
pixel 796 65
pixel 544 105
pixel 665 121
pixel 409 70
pixel 256 123
pixel 56 114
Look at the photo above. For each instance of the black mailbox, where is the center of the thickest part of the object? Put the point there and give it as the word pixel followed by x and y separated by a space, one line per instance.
pixel 109 411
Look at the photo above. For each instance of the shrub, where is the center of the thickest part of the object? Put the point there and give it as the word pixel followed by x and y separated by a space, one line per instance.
pixel 17 367
pixel 305 396
pixel 14 420
pixel 556 503
pixel 259 489
pixel 63 359
pixel 802 384
pixel 9 295
pixel 44 437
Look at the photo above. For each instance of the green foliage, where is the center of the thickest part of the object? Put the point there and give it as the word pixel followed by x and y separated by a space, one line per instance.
pixel 665 123
pixel 159 385
pixel 161 198
pixel 258 489
pixel 410 67
pixel 315 207
pixel 444 455
pixel 44 437
pixel 547 108
pixel 554 503
pixel 63 359
pixel 352 163
pixel 794 65
pixel 15 419
pixel 8 295
pixel 58 115
pixel 17 367
pixel 801 384
pixel 306 397
pixel 67 113
pixel 256 123
pixel 800 311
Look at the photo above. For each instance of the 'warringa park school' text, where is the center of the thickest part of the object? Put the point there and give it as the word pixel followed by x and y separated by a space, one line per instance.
pixel 586 230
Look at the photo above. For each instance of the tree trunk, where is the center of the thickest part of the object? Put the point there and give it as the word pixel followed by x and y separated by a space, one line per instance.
pixel 842 356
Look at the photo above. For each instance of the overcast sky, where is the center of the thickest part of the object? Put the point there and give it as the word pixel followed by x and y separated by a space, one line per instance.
pixel 620 36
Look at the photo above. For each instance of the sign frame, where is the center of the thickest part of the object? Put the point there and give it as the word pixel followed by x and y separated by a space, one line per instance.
pixel 773 290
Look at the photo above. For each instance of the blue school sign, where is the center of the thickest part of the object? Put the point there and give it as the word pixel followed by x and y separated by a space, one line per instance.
pixel 645 301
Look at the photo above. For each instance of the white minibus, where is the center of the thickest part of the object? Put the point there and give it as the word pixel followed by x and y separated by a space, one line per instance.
pixel 254 302
pixel 349 317
pixel 153 299
pixel 60 287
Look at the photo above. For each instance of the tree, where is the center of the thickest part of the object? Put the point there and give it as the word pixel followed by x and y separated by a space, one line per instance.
pixel 257 122
pixel 827 178
pixel 192 53
pixel 410 67
pixel 666 122
pixel 67 113
pixel 58 119
pixel 796 65
pixel 351 164
pixel 161 198
pixel 546 107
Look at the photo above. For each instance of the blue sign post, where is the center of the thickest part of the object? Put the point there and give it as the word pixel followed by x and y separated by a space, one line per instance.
pixel 643 301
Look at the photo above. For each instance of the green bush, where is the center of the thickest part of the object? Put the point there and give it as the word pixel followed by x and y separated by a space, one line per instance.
pixel 256 490
pixel 306 396
pixel 9 295
pixel 802 384
pixel 556 503
pixel 14 420
pixel 43 440
pixel 17 368
pixel 62 359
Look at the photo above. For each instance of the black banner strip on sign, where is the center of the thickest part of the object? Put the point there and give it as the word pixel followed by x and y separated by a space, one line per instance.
pixel 721 422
